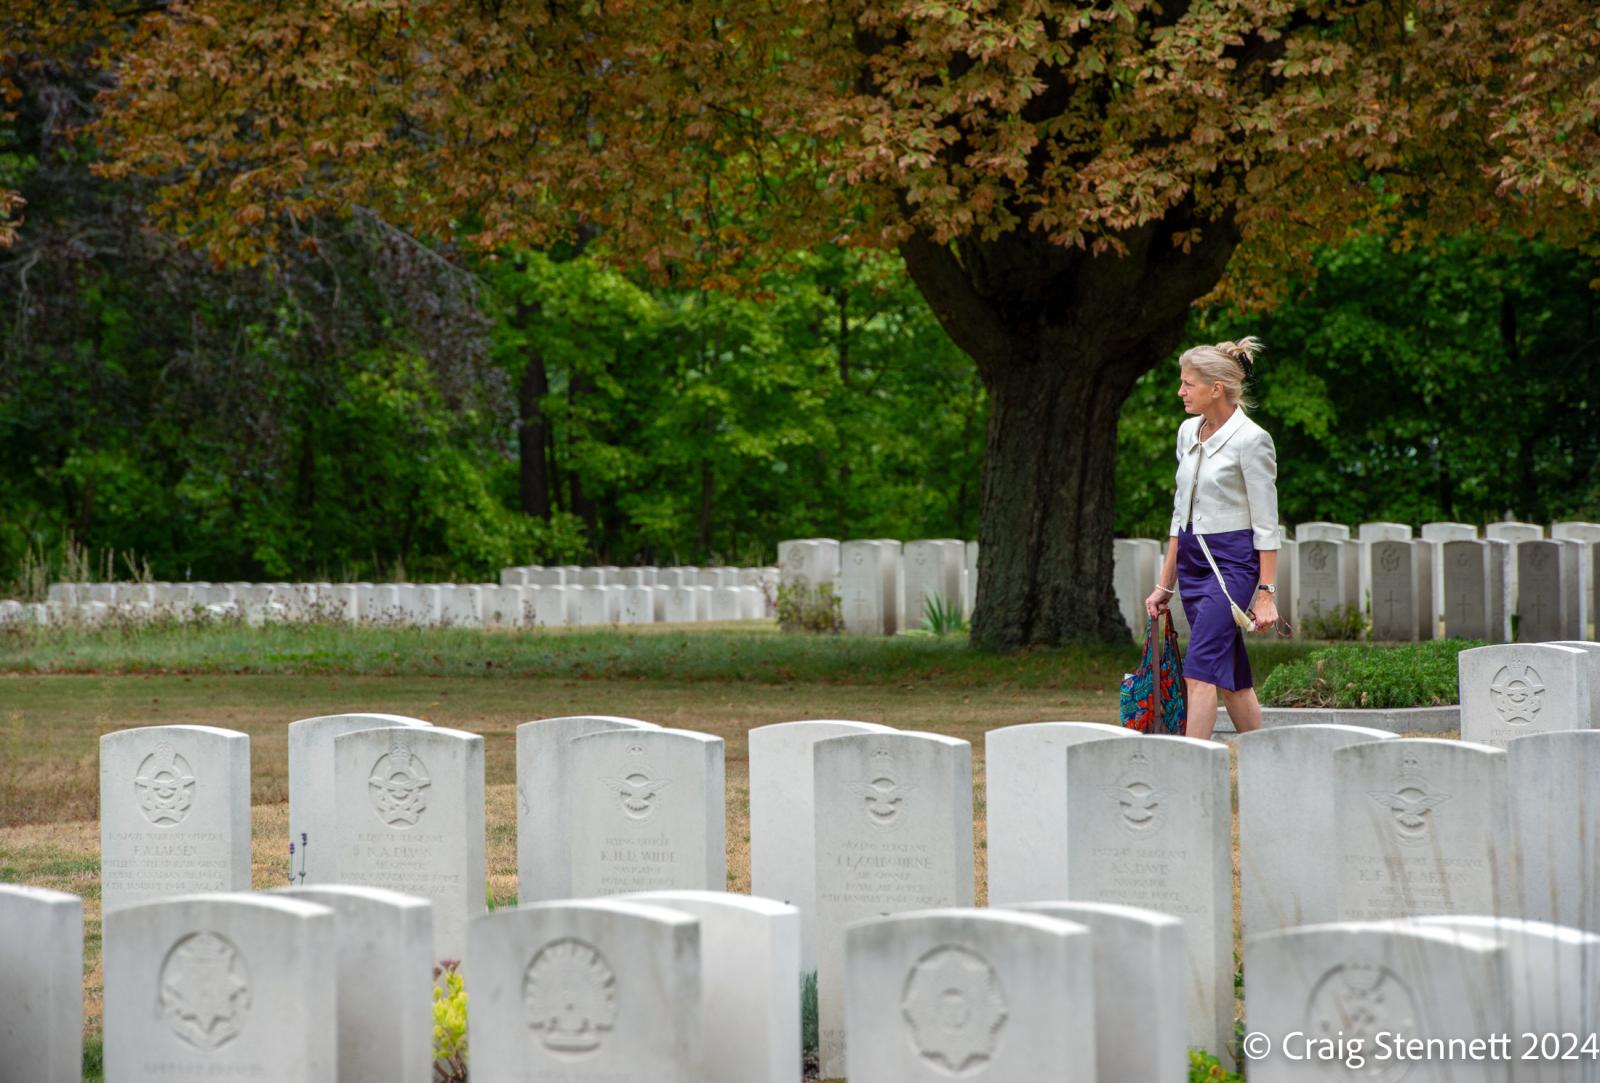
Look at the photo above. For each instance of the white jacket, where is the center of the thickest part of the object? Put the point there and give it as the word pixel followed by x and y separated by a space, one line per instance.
pixel 1229 481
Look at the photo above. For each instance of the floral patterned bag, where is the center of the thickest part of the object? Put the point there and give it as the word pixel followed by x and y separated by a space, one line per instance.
pixel 1153 696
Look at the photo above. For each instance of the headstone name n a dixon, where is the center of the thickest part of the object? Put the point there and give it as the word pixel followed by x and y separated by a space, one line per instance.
pixel 893 834
pixel 410 818
pixel 312 814
pixel 174 813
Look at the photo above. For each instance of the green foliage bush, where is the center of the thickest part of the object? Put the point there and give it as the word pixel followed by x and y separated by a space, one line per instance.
pixel 1342 622
pixel 941 617
pixel 809 609
pixel 449 1024
pixel 1205 1068
pixel 1368 675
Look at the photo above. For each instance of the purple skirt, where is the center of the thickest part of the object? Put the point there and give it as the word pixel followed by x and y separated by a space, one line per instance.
pixel 1216 652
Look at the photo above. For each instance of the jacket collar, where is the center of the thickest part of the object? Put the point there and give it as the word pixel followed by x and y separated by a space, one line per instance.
pixel 1214 442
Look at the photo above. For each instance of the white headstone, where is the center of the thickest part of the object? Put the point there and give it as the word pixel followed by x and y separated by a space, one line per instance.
pixel 782 818
pixel 1515 534
pixel 1551 976
pixel 410 818
pixel 1369 533
pixel 1555 816
pixel 1151 825
pixel 311 795
pixel 503 606
pixel 893 833
pixel 1514 689
pixel 1326 576
pixel 1477 590
pixel 810 562
pixel 227 986
pixel 1288 824
pixel 680 606
pixel 41 985
pixel 1133 577
pixel 970 580
pixel 961 994
pixel 1331 1000
pixel 1025 772
pixel 726 603
pixel 1549 601
pixel 597 989
pixel 385 959
pixel 1423 829
pixel 866 565
pixel 749 985
pixel 638 605
pixel 545 790
pixel 647 812
pixel 550 606
pixel 1140 1027
pixel 1436 534
pixel 174 813
pixel 1304 532
pixel 1400 574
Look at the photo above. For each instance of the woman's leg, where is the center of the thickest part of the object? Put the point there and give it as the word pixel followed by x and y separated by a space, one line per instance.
pixel 1202 709
pixel 1244 709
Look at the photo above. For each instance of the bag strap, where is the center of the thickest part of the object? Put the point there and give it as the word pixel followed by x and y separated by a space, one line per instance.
pixel 1239 614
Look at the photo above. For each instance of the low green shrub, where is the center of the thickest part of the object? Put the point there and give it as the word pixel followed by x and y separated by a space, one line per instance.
pixel 809 609
pixel 449 1024
pixel 1369 675
pixel 1205 1068
pixel 1342 622
pixel 941 617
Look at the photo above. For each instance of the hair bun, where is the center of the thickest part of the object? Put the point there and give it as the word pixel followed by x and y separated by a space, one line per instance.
pixel 1244 352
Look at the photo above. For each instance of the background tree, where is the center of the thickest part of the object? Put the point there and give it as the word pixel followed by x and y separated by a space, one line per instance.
pixel 1062 180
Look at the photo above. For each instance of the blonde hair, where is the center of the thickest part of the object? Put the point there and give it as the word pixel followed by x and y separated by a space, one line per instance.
pixel 1227 363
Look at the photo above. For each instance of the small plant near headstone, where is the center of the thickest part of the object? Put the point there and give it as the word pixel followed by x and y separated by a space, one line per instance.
pixel 809 609
pixel 810 1046
pixel 1360 675
pixel 449 1024
pixel 941 617
pixel 1205 1068
pixel 1342 622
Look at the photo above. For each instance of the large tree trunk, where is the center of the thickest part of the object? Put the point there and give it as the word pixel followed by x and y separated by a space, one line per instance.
pixel 1059 336
pixel 532 439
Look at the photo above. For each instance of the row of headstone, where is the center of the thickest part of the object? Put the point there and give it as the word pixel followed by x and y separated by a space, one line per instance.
pixel 635 807
pixel 333 983
pixel 691 986
pixel 1450 581
pixel 884 586
pixel 425 605
pixel 604 806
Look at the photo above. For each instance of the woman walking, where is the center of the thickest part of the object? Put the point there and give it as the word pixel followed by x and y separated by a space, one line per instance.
pixel 1224 533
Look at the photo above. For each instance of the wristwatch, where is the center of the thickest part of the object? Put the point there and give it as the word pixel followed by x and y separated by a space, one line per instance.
pixel 1268 587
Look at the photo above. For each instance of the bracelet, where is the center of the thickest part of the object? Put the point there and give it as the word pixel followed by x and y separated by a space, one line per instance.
pixel 1169 590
